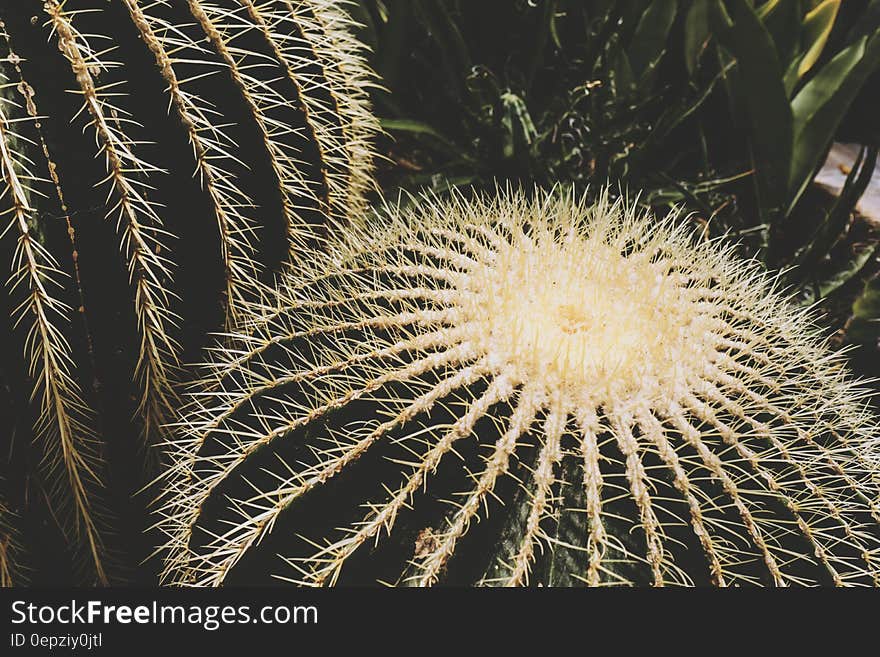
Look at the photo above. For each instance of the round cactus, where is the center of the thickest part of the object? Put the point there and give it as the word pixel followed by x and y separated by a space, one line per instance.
pixel 158 157
pixel 616 401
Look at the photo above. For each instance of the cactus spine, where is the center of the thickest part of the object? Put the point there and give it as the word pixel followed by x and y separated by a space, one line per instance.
pixel 11 571
pixel 229 156
pixel 616 401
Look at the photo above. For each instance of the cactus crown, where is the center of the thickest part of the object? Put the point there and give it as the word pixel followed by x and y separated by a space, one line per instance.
pixel 584 378
pixel 570 307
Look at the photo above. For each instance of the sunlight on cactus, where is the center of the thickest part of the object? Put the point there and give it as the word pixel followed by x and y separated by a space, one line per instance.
pixel 616 401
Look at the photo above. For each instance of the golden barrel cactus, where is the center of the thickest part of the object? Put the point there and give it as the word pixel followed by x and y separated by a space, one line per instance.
pixel 613 399
pixel 158 157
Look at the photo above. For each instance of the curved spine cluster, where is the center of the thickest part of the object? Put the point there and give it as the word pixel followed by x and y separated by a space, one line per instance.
pixel 12 573
pixel 617 402
pixel 228 70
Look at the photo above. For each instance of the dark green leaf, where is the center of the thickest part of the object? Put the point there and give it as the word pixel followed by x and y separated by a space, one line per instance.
pixel 455 57
pixel 419 128
pixel 696 33
pixel 542 33
pixel 846 273
pixel 762 94
pixel 864 327
pixel 393 34
pixel 621 73
pixel 649 41
pixel 838 217
pixel 819 107
pixel 783 22
pixel 674 115
pixel 817 28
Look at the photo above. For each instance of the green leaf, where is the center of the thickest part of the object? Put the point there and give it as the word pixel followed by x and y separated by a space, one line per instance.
pixel 783 21
pixel 543 32
pixel 761 92
pixel 767 8
pixel 867 305
pixel 455 57
pixel 674 115
pixel 838 217
pixel 621 73
pixel 696 33
pixel 790 79
pixel 393 35
pixel 844 275
pixel 819 107
pixel 407 125
pixel 649 41
pixel 868 21
pixel 420 128
pixel 554 29
pixel 817 27
pixel 864 326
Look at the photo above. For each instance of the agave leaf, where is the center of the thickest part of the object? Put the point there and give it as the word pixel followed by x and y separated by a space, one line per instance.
pixel 420 128
pixel 673 116
pixel 845 274
pixel 864 326
pixel 543 33
pixel 397 25
pixel 790 79
pixel 621 74
pixel 455 57
pixel 696 33
pixel 827 235
pixel 553 26
pixel 767 8
pixel 819 107
pixel 867 23
pixel 817 27
pixel 763 96
pixel 783 22
pixel 413 126
pixel 649 40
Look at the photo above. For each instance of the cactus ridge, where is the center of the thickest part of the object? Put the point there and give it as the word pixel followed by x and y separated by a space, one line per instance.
pixel 65 426
pixel 616 401
pixel 12 572
pixel 241 161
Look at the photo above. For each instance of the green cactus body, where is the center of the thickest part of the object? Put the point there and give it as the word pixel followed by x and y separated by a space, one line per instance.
pixel 158 159
pixel 614 400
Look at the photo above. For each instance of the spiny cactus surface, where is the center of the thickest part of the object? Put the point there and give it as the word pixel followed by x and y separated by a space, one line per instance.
pixel 12 572
pixel 157 157
pixel 517 391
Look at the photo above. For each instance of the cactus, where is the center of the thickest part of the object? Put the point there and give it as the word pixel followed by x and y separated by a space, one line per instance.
pixel 615 400
pixel 158 159
pixel 11 571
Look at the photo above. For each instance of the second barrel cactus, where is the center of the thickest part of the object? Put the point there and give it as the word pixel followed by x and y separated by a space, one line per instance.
pixel 139 215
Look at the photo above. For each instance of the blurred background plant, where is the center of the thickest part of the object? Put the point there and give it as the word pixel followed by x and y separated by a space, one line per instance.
pixel 728 107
